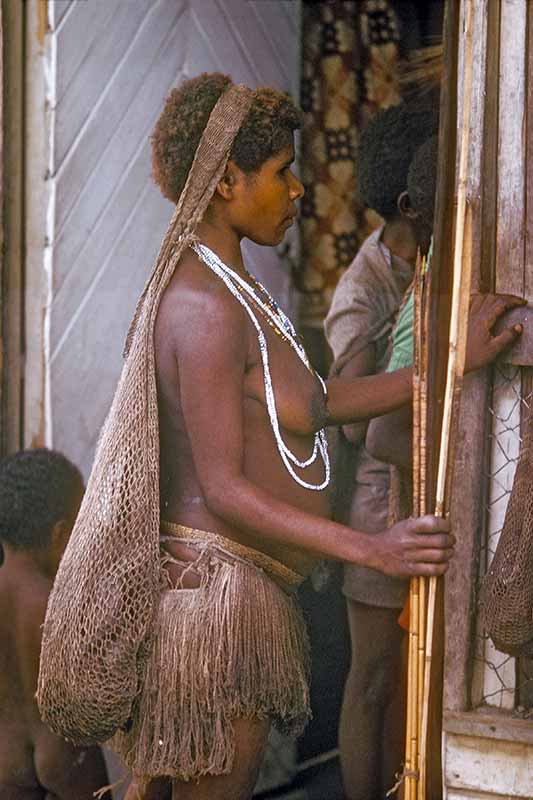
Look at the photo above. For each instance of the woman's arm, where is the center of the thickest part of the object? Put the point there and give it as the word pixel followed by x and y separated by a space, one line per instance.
pixel 352 400
pixel 212 370
pixel 389 438
pixel 363 363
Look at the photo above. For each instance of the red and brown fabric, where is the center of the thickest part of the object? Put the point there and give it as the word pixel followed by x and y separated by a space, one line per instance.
pixel 349 71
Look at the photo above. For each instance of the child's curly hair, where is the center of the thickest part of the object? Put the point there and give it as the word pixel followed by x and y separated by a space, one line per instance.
pixel 266 130
pixel 37 489
pixel 386 149
pixel 422 179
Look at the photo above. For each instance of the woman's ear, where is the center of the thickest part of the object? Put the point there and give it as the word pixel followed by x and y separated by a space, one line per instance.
pixel 405 208
pixel 226 185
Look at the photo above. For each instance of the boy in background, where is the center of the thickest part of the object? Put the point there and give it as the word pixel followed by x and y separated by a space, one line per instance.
pixel 358 329
pixel 40 495
pixel 389 438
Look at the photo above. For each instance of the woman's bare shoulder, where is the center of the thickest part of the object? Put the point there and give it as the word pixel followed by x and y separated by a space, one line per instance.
pixel 195 295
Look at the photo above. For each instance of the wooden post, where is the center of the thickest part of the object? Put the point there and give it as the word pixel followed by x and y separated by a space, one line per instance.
pixel 11 224
pixel 3 298
pixel 468 501
pixel 525 665
pixel 460 299
pixel 448 312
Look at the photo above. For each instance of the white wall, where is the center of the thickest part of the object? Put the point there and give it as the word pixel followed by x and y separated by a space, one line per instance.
pixel 95 218
pixel 478 768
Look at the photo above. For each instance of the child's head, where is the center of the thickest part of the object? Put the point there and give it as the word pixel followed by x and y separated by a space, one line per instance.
pixel 386 151
pixel 418 201
pixel 40 496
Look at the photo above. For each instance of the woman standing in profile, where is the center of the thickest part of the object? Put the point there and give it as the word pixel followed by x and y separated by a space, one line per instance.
pixel 243 469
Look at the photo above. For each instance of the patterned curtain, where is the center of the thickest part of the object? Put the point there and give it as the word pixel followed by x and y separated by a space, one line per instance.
pixel 349 71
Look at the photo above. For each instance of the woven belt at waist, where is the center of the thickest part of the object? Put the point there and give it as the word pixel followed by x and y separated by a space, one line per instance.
pixel 275 569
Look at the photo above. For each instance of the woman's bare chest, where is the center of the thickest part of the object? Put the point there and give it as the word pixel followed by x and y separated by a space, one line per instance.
pixel 296 390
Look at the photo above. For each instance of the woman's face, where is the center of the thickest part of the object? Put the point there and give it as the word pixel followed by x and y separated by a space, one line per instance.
pixel 264 202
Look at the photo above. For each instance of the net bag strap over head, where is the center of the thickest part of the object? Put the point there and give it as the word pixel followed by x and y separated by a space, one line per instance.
pixel 507 591
pixel 206 171
pixel 98 626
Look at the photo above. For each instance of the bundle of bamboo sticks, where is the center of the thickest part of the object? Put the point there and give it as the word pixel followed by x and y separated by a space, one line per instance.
pixel 422 595
pixel 423 591
pixel 419 586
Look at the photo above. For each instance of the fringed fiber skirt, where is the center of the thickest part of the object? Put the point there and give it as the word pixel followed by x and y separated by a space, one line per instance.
pixel 235 647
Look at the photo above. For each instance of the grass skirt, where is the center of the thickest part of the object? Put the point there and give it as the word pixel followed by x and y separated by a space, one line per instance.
pixel 235 647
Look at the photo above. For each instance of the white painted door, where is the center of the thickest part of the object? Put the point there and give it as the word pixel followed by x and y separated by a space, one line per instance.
pixel 109 65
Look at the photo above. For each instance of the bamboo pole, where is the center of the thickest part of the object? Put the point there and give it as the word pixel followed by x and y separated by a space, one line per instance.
pixel 424 393
pixel 417 421
pixel 408 785
pixel 462 267
pixel 417 597
pixel 416 679
pixel 412 726
pixel 414 675
pixel 422 495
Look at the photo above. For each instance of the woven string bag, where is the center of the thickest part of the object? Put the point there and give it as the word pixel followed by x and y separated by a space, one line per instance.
pixel 507 591
pixel 97 629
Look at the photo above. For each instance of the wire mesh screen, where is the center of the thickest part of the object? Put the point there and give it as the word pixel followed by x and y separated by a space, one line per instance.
pixel 500 680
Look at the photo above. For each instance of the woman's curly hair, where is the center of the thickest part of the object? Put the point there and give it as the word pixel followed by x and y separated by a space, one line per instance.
pixel 386 149
pixel 266 130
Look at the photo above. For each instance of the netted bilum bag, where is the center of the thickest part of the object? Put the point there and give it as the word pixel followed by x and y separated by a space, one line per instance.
pixel 507 591
pixel 101 604
pixel 98 627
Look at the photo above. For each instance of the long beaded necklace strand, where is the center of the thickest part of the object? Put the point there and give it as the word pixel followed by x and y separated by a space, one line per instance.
pixel 279 320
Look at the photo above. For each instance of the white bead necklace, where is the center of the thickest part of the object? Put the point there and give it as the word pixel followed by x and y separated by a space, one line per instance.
pixel 237 286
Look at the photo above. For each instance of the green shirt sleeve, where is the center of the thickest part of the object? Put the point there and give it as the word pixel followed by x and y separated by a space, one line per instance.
pixel 403 338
